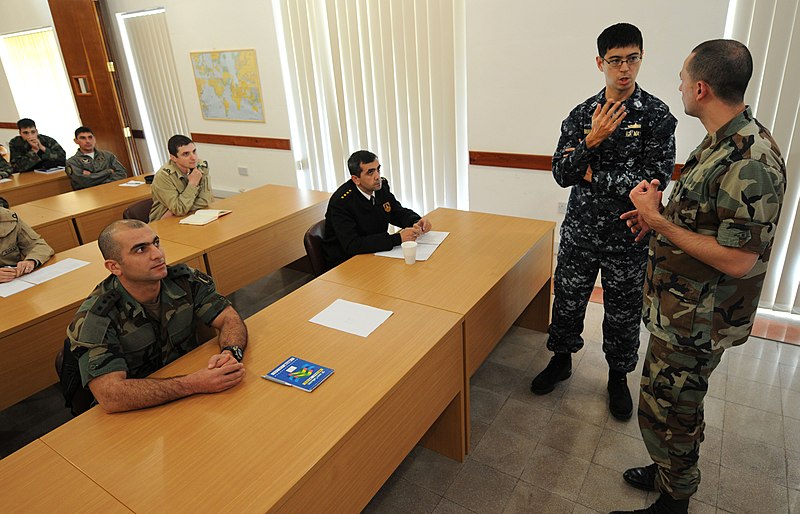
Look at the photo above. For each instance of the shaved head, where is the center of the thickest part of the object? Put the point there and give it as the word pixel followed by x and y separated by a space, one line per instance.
pixel 109 246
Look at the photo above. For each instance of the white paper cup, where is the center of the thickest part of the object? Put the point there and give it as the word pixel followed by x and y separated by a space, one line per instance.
pixel 410 251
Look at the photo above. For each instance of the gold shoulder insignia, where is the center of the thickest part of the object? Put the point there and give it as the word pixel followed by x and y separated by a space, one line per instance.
pixel 634 126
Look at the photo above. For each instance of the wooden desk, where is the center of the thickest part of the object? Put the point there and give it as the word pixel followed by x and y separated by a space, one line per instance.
pixel 29 186
pixel 264 447
pixel 493 270
pixel 95 207
pixel 263 233
pixel 55 227
pixel 34 322
pixel 37 479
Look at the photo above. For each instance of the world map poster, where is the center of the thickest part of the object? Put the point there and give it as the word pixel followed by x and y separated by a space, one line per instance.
pixel 228 85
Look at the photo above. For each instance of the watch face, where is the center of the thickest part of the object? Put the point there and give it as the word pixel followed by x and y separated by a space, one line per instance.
pixel 237 352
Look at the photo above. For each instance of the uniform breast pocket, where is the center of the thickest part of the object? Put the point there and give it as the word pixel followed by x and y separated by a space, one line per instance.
pixel 137 341
pixel 678 299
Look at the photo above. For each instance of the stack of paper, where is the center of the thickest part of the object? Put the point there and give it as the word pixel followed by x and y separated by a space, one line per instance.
pixel 132 183
pixel 40 276
pixel 426 244
pixel 204 216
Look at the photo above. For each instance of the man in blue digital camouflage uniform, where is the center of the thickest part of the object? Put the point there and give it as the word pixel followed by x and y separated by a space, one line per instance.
pixel 608 144
pixel 706 265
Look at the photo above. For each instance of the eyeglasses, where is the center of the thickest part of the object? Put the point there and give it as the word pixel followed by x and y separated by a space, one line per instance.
pixel 617 63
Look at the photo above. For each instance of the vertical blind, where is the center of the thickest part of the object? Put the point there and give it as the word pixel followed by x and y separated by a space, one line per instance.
pixel 149 55
pixel 771 29
pixel 378 76
pixel 39 84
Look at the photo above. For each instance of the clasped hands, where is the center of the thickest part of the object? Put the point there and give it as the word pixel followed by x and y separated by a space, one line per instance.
pixel 647 199
pixel 9 273
pixel 414 231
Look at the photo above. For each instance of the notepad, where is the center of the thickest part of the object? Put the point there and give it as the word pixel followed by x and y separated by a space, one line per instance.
pixel 299 373
pixel 204 216
pixel 49 171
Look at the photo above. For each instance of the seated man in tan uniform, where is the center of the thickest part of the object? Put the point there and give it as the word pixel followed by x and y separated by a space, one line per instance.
pixel 182 185
pixel 21 249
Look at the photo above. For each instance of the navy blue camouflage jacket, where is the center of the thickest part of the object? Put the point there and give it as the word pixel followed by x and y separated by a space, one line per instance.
pixel 642 148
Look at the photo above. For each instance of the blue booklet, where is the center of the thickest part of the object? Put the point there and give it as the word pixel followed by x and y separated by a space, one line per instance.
pixel 299 373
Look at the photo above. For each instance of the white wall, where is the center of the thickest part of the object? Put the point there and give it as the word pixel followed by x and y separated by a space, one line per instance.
pixel 27 15
pixel 205 25
pixel 530 63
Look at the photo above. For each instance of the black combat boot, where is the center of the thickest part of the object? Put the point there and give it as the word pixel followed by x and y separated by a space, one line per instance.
pixel 619 397
pixel 664 505
pixel 559 368
pixel 643 478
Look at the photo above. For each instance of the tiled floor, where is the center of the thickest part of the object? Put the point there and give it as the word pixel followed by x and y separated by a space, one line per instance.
pixel 563 452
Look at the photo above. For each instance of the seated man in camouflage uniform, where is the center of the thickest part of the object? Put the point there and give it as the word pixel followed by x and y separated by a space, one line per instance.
pixel 144 316
pixel 706 264
pixel 21 249
pixel 33 151
pixel 183 184
pixel 90 166
pixel 5 167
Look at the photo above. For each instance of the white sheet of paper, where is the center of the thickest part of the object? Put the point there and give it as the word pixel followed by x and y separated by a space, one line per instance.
pixel 132 183
pixel 14 287
pixel 432 238
pixel 423 252
pixel 351 317
pixel 54 270
pixel 4 179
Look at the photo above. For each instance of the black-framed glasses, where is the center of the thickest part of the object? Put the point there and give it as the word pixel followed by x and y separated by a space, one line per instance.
pixel 617 63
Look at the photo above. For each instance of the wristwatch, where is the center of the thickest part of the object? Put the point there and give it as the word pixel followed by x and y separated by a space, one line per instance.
pixel 236 351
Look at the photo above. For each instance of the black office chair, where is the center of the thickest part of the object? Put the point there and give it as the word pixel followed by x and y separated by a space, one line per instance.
pixel 139 210
pixel 77 397
pixel 313 243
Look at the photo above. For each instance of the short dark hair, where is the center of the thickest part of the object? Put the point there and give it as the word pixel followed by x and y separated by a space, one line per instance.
pixel 177 141
pixel 26 123
pixel 109 246
pixel 82 130
pixel 617 36
pixel 724 64
pixel 357 159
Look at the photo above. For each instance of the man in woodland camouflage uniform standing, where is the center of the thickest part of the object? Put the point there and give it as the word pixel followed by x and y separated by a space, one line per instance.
pixel 706 265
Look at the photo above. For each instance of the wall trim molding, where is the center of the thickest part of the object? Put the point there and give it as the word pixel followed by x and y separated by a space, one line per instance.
pixel 8 125
pixel 247 141
pixel 525 161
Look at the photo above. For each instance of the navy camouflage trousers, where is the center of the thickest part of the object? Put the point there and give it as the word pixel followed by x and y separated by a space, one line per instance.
pixel 674 385
pixel 622 278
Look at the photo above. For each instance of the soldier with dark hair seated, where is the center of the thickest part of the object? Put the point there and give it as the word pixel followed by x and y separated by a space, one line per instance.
pixel 144 316
pixel 183 184
pixel 31 150
pixel 360 211
pixel 91 166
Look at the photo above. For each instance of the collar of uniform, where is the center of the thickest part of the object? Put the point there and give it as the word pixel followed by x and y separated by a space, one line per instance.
pixel 168 287
pixel 632 102
pixel 171 289
pixel 733 126
pixel 172 169
pixel 368 197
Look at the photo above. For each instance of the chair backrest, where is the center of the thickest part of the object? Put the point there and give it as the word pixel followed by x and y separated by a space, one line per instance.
pixel 77 398
pixel 313 243
pixel 139 210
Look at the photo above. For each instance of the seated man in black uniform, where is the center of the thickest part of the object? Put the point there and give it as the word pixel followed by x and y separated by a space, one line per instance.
pixel 360 211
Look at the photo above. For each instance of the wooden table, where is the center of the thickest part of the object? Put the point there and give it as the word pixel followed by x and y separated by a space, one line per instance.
pixel 95 207
pixel 37 479
pixel 493 270
pixel 29 186
pixel 264 447
pixel 263 233
pixel 57 228
pixel 34 322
